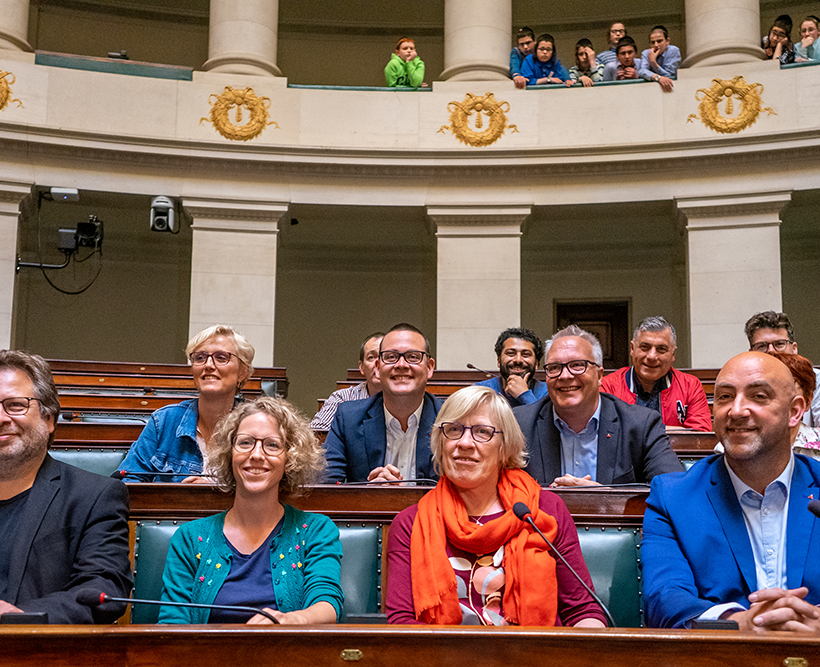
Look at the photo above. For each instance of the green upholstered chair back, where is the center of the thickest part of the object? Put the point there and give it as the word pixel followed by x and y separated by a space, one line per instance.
pixel 361 568
pixel 100 461
pixel 612 556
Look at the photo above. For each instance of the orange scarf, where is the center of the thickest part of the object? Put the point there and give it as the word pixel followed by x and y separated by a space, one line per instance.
pixel 531 590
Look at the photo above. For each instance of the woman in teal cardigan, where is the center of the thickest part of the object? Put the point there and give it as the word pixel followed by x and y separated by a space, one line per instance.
pixel 260 553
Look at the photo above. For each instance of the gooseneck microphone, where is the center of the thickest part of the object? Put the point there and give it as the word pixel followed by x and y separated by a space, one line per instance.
pixel 91 598
pixel 523 513
pixel 475 368
pixel 814 507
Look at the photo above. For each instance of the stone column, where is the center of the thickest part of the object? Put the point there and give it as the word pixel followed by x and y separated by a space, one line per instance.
pixel 733 269
pixel 11 194
pixel 233 268
pixel 14 25
pixel 479 280
pixel 477 40
pixel 243 37
pixel 722 33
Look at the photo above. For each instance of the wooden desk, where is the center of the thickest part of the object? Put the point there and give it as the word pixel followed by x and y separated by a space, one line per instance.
pixel 377 646
pixel 588 506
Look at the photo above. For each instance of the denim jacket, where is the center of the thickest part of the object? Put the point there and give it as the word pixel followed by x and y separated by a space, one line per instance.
pixel 166 444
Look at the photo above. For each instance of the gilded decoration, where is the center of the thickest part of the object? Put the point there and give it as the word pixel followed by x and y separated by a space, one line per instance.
pixel 748 96
pixel 244 99
pixel 5 90
pixel 474 108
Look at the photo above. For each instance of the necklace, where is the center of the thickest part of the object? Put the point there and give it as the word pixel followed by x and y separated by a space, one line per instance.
pixel 495 505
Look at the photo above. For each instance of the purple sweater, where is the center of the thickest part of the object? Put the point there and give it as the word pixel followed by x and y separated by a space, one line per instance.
pixel 574 603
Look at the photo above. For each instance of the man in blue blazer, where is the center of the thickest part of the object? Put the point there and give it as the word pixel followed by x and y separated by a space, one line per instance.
pixel 733 538
pixel 62 529
pixel 387 437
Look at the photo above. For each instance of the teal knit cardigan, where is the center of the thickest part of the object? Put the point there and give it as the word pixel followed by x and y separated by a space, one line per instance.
pixel 305 559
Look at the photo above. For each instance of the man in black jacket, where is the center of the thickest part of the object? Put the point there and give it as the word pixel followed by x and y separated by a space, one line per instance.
pixel 63 529
pixel 577 436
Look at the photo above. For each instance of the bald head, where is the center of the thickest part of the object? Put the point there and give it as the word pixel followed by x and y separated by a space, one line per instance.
pixel 756 403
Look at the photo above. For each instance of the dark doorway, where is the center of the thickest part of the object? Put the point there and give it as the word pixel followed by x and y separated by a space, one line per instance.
pixel 608 320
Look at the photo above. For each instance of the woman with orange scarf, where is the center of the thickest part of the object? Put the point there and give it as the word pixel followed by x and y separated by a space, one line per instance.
pixel 461 556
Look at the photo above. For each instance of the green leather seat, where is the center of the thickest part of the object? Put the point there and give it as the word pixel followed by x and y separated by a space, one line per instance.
pixel 612 556
pixel 100 461
pixel 360 575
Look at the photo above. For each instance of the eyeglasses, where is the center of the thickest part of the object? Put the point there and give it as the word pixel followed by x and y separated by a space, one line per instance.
pixel 247 443
pixel 576 367
pixel 779 345
pixel 412 357
pixel 221 358
pixel 17 405
pixel 479 432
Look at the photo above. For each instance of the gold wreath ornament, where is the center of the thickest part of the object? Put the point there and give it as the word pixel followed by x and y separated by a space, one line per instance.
pixel 237 99
pixel 5 90
pixel 475 107
pixel 747 94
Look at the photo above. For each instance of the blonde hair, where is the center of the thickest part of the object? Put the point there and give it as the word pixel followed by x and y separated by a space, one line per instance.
pixel 465 401
pixel 305 458
pixel 244 350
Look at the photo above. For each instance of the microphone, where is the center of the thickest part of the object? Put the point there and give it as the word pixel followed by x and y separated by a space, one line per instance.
pixel 421 481
pixel 523 513
pixel 814 507
pixel 91 598
pixel 122 474
pixel 475 368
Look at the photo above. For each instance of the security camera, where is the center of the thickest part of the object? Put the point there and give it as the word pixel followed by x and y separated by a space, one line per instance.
pixel 163 215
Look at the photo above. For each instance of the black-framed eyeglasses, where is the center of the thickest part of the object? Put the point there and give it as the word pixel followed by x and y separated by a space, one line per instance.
pixel 247 443
pixel 576 367
pixel 479 432
pixel 779 345
pixel 412 357
pixel 17 405
pixel 220 357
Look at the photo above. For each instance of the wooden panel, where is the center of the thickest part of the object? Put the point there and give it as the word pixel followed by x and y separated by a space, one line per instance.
pixel 133 368
pixel 385 646
pixel 96 435
pixel 588 506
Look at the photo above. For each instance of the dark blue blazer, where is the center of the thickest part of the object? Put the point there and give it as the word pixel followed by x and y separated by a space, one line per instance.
pixel 696 552
pixel 632 442
pixel 357 440
pixel 72 535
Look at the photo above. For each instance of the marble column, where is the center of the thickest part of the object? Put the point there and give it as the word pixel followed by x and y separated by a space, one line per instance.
pixel 477 40
pixel 722 33
pixel 11 195
pixel 242 38
pixel 14 25
pixel 479 280
pixel 233 268
pixel 733 269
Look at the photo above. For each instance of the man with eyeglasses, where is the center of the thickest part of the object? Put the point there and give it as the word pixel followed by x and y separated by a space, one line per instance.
pixel 368 358
pixel 578 436
pixel 386 438
pixel 616 32
pixel 773 331
pixel 62 529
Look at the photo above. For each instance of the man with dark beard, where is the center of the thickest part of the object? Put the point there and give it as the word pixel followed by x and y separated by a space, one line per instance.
pixel 733 538
pixel 518 351
pixel 62 529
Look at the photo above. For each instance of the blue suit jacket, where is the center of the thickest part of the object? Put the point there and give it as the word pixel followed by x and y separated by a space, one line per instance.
pixel 357 440
pixel 696 553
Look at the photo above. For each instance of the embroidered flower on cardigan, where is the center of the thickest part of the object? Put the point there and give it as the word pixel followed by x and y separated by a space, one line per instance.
pixel 202 578
pixel 199 556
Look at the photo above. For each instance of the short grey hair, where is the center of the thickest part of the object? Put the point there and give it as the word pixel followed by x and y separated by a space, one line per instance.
pixel 575 330
pixel 655 324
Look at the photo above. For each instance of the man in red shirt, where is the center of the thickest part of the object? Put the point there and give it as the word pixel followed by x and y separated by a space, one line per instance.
pixel 651 381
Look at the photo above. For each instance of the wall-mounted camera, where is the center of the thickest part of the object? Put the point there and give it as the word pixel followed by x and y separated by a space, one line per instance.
pixel 163 215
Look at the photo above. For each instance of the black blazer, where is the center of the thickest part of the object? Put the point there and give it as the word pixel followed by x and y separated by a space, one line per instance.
pixel 73 534
pixel 632 442
pixel 357 440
